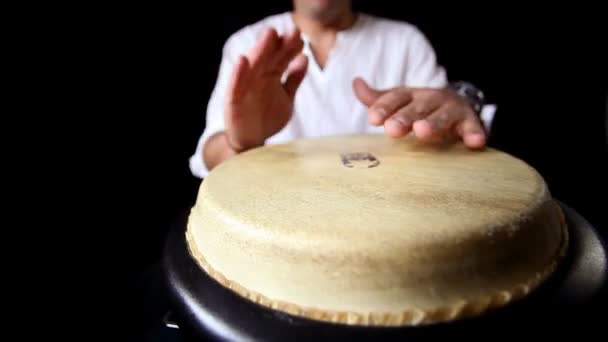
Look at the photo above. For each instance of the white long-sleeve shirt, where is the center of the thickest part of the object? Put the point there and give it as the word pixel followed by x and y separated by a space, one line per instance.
pixel 385 53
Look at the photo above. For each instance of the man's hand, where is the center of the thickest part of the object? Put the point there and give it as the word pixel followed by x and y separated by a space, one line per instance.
pixel 432 114
pixel 258 104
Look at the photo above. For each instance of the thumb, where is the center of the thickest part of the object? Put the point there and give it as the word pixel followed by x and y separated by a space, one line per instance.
pixel 365 93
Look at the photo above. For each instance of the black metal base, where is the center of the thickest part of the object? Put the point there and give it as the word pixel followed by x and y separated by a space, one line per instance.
pixel 565 302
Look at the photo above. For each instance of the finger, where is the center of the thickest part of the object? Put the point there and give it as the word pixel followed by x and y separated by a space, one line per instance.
pixel 295 74
pixel 423 131
pixel 365 93
pixel 264 49
pixel 396 127
pixel 401 123
pixel 238 80
pixel 437 124
pixel 291 46
pixel 387 104
pixel 471 132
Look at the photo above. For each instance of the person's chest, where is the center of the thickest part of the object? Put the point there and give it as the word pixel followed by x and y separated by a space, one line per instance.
pixel 325 102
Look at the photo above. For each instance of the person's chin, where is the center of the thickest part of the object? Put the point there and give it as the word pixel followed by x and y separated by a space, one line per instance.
pixel 324 9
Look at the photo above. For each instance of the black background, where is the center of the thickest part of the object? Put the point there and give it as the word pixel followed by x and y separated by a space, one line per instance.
pixel 545 68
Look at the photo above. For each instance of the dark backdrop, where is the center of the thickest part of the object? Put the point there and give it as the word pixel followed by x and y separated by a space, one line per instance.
pixel 545 68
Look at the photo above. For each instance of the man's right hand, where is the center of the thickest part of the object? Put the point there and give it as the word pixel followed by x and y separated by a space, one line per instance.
pixel 258 105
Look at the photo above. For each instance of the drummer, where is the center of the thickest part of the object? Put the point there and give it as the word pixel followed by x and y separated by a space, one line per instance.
pixel 323 69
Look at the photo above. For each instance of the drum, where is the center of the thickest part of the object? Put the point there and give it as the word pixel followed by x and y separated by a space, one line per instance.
pixel 368 236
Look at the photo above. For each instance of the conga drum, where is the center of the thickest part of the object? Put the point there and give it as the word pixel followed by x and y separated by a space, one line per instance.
pixel 366 236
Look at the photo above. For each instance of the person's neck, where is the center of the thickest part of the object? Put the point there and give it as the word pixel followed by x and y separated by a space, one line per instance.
pixel 322 34
pixel 317 29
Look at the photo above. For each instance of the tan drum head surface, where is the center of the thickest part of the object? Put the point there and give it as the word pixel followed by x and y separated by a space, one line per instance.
pixel 366 229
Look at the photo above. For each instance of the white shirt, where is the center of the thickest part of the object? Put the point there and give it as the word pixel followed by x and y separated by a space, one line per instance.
pixel 385 53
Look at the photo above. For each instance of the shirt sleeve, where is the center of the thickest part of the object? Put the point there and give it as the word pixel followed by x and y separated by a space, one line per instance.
pixel 422 67
pixel 215 107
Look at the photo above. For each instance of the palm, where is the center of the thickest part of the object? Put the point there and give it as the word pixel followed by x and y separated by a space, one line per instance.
pixel 258 104
pixel 262 110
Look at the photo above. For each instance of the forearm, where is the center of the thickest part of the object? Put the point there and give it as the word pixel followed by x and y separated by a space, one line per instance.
pixel 217 150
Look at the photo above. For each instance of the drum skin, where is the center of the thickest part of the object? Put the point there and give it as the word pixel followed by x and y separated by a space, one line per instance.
pixel 370 230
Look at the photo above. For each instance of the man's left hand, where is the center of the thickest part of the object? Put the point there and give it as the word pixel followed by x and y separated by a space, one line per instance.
pixel 432 114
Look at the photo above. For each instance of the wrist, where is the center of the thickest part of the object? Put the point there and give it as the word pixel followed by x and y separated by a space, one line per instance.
pixel 471 93
pixel 237 148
